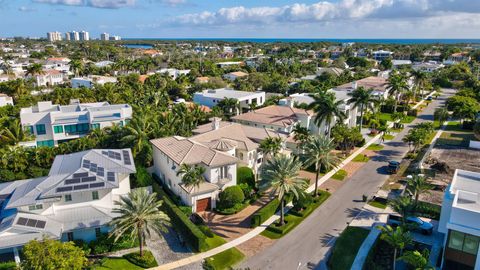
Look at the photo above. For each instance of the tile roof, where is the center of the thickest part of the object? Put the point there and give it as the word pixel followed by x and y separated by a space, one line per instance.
pixel 283 116
pixel 377 83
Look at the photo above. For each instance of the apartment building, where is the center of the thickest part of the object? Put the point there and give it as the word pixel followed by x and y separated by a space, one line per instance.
pixel 54 36
pixel 459 221
pixel 75 200
pixel 84 36
pixel 212 97
pixel 53 124
pixel 5 100
pixel 89 82
pixel 381 55
pixel 105 36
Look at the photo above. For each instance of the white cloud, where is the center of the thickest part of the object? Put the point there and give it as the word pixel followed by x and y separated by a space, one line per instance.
pixel 91 3
pixel 174 2
pixel 25 9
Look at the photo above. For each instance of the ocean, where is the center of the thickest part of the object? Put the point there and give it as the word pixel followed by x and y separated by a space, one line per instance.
pixel 307 40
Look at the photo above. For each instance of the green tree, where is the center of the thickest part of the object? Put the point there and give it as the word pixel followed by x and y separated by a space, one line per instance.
pixel 397 85
pixel 192 176
pixel 418 260
pixel 463 107
pixel 14 133
pixel 230 106
pixel 271 146
pixel 397 238
pixel 318 152
pixel 326 109
pixel 34 69
pixel 363 99
pixel 138 214
pixel 441 115
pixel 49 254
pixel 281 175
pixel 416 186
pixel 345 137
pixel 301 135
pixel 420 80
pixel 403 206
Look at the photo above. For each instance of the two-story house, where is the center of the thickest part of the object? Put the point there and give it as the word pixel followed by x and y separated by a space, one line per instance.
pixel 75 200
pixel 212 97
pixel 53 124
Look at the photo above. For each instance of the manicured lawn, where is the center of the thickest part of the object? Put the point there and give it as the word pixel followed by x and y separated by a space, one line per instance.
pixel 346 248
pixel 388 137
pixel 388 117
pixel 361 158
pixel 377 203
pixel 225 259
pixel 375 147
pixel 340 175
pixel 455 126
pixel 292 219
pixel 455 139
pixel 116 264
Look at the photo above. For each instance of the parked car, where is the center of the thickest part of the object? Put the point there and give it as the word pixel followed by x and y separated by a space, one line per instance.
pixel 415 223
pixel 393 166
pixel 429 98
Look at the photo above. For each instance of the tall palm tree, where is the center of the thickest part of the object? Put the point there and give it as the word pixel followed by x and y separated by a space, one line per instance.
pixel 34 69
pixel 416 186
pixel 441 115
pixel 326 109
pixel 362 98
pixel 402 205
pixel 318 152
pixel 281 174
pixel 301 135
pixel 271 146
pixel 192 176
pixel 139 214
pixel 397 238
pixel 418 260
pixel 397 84
pixel 229 106
pixel 14 133
pixel 420 79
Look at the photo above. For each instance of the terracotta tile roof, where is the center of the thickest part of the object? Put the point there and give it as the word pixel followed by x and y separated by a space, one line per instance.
pixel 273 115
pixel 377 83
pixel 239 73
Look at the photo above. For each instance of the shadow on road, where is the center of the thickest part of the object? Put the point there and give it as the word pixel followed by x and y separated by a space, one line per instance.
pixel 383 170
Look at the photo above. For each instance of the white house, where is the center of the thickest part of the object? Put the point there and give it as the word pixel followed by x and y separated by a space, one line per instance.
pixel 103 64
pixel 232 76
pixel 5 100
pixel 429 66
pixel 459 221
pixel 61 64
pixel 49 78
pixel 173 72
pixel 212 97
pixel 89 82
pixel 457 58
pixel 53 124
pixel 381 55
pixel 75 200
pixel 379 84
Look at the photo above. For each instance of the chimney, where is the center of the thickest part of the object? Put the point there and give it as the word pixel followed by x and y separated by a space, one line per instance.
pixel 44 105
pixel 215 123
pixel 354 85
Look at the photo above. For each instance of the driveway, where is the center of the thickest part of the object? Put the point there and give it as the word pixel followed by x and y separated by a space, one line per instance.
pixel 306 247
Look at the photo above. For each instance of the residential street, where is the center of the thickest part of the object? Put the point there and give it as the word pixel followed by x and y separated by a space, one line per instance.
pixel 306 246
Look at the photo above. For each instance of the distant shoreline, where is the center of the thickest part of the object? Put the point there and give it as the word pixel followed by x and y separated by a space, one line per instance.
pixel 310 40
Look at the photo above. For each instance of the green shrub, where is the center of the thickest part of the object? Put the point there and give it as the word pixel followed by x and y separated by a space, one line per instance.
pixel 229 197
pixel 245 175
pixel 191 233
pixel 232 210
pixel 104 244
pixel 8 266
pixel 428 210
pixel 247 191
pixel 187 210
pixel 264 213
pixel 142 178
pixel 83 245
pixel 412 112
pixel 302 202
pixel 206 230
pixel 145 261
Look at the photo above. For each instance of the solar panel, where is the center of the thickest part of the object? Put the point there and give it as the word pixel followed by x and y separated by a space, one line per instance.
pixel 41 224
pixel 111 154
pixel 126 158
pixel 100 171
pixel 105 153
pixel 78 175
pixel 89 179
pixel 72 181
pixel 63 189
pixel 117 156
pixel 93 167
pixel 80 187
pixel 22 221
pixel 31 222
pixel 97 185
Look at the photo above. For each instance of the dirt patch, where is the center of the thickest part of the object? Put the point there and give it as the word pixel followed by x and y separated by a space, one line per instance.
pixel 255 245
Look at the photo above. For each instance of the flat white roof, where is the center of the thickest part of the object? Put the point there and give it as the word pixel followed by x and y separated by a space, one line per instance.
pixel 228 93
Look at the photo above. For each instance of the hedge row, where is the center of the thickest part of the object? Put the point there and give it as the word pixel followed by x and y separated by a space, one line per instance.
pixel 264 213
pixel 192 234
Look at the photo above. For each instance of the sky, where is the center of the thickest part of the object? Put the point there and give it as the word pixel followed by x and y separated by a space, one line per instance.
pixel 348 19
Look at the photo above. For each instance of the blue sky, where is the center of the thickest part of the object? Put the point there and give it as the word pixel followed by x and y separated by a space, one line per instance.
pixel 247 19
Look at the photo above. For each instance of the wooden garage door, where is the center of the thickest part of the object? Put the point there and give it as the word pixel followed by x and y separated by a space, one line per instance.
pixel 203 204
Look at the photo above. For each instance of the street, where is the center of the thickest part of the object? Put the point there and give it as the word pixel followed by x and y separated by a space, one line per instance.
pixel 307 245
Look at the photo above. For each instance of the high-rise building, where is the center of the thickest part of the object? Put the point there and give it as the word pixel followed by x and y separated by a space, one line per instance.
pixel 74 35
pixel 115 38
pixel 84 36
pixel 54 36
pixel 105 36
pixel 67 36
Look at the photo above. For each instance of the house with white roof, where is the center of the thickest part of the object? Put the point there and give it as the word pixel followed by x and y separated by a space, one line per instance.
pixel 90 81
pixel 459 221
pixel 61 64
pixel 74 201
pixel 429 66
pixel 5 100
pixel 173 72
pixel 212 97
pixel 381 55
pixel 53 124
pixel 232 76
pixel 49 78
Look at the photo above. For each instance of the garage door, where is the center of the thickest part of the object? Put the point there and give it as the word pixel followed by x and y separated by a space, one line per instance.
pixel 203 204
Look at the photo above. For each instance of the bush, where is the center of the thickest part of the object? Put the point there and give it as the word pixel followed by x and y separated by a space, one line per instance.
pixel 104 244
pixel 245 175
pixel 247 191
pixel 8 266
pixel 142 178
pixel 302 202
pixel 83 245
pixel 232 210
pixel 412 112
pixel 146 261
pixel 187 210
pixel 360 143
pixel 191 233
pixel 264 213
pixel 428 210
pixel 206 230
pixel 230 197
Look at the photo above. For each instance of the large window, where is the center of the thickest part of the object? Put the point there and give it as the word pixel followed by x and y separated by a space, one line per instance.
pixel 96 126
pixel 463 242
pixel 95 195
pixel 41 129
pixel 35 207
pixel 68 198
pixel 49 143
pixel 58 129
pixel 77 128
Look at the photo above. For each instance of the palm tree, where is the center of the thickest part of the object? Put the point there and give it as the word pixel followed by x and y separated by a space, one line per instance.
pixel 229 106
pixel 281 174
pixel 420 79
pixel 326 108
pixel 397 84
pixel 15 133
pixel 363 99
pixel 271 146
pixel 385 129
pixel 318 151
pixel 139 214
pixel 403 206
pixel 34 69
pixel 441 115
pixel 301 135
pixel 418 185
pixel 418 260
pixel 397 238
pixel 192 176
pixel 138 133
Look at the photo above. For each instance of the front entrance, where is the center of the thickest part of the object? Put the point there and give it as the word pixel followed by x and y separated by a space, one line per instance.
pixel 203 205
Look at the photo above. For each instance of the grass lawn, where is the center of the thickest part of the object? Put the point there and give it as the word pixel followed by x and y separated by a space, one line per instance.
pixel 361 158
pixel 294 220
pixel 346 248
pixel 225 260
pixel 116 264
pixel 388 117
pixel 340 175
pixel 461 139
pixel 375 147
pixel 389 137
pixel 378 204
pixel 455 126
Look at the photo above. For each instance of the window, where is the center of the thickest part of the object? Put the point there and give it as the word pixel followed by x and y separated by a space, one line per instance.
pixel 41 129
pixel 68 197
pixel 96 126
pixel 98 232
pixel 35 207
pixel 30 128
pixel 77 128
pixel 463 242
pixel 58 129
pixel 71 128
pixel 49 143
pixel 240 155
pixel 95 195
pixel 70 236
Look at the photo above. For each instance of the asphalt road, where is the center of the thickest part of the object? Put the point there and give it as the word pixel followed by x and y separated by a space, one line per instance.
pixel 307 245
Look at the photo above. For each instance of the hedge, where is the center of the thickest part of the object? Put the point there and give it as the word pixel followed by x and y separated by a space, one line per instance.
pixel 192 234
pixel 245 175
pixel 428 210
pixel 264 213
pixel 146 261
